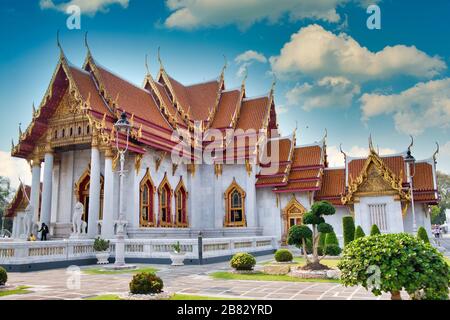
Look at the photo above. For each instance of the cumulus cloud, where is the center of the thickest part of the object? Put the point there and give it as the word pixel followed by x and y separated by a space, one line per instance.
pixel 327 92
pixel 426 105
pixel 246 59
pixel 191 14
pixel 89 7
pixel 316 52
pixel 14 169
pixel 336 158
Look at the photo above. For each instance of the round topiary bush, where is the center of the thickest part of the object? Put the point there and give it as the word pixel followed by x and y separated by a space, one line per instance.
pixel 283 255
pixel 395 262
pixel 146 283
pixel 422 235
pixel 243 261
pixel 3 276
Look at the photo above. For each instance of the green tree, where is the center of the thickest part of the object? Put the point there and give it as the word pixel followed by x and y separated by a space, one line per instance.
pixel 348 225
pixel 359 233
pixel 298 235
pixel 5 196
pixel 422 235
pixel 438 212
pixel 374 230
pixel 395 262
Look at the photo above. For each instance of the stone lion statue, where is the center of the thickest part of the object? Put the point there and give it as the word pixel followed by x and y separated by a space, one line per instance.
pixel 79 226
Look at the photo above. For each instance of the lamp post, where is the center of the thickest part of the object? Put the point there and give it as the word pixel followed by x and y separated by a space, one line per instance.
pixel 411 161
pixel 122 126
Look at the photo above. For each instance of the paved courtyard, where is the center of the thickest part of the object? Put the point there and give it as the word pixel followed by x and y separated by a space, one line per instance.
pixel 52 284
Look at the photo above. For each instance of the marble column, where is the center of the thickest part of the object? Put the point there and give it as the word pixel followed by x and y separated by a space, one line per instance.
pixel 47 189
pixel 94 192
pixel 35 187
pixel 108 198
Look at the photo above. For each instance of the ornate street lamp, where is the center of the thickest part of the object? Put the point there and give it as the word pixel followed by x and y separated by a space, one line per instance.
pixel 123 127
pixel 411 163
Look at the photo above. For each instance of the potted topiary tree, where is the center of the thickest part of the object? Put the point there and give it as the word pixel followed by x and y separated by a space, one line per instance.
pixel 101 248
pixel 395 262
pixel 283 256
pixel 176 255
pixel 299 234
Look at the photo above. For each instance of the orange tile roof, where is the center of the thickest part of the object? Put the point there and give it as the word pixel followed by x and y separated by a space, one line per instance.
pixel 132 99
pixel 227 108
pixel 307 156
pixel 299 186
pixel 202 99
pixel 423 177
pixel 333 184
pixel 166 100
pixel 253 113
pixel 304 174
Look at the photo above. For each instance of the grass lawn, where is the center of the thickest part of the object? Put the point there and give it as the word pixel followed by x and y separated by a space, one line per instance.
pixel 174 297
pixel 101 271
pixel 300 261
pixel 259 276
pixel 18 290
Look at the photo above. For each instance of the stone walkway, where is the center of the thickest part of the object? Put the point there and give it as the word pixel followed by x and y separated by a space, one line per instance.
pixel 53 284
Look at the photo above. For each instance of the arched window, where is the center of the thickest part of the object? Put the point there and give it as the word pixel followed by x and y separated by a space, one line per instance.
pixel 181 218
pixel 147 192
pixel 165 199
pixel 235 206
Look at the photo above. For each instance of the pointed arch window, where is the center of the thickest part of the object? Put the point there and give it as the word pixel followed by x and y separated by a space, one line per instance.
pixel 181 219
pixel 147 196
pixel 165 200
pixel 235 206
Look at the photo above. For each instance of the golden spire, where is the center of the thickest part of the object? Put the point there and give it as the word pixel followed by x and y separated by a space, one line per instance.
pixel 372 150
pixel 225 66
pixel 12 144
pixel 436 152
pixel 411 144
pixel 34 110
pixel 146 65
pixel 342 151
pixel 20 129
pixel 161 67
pixel 274 82
pixel 87 44
pixel 58 43
pixel 245 78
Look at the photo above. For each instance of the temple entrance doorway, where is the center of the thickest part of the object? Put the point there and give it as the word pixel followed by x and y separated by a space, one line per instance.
pixel 292 215
pixel 82 194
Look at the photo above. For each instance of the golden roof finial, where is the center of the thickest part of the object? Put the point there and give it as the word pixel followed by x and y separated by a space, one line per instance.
pixel 20 129
pixel 325 136
pixel 87 44
pixel 225 66
pixel 274 82
pixel 146 65
pixel 58 43
pixel 34 110
pixel 342 151
pixel 245 77
pixel 12 144
pixel 436 152
pixel 161 67
pixel 372 150
pixel 411 144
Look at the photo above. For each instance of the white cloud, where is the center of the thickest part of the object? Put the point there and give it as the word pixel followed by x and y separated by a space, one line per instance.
pixel 14 168
pixel 426 105
pixel 336 158
pixel 89 7
pixel 250 55
pixel 327 92
pixel 246 59
pixel 317 52
pixel 191 14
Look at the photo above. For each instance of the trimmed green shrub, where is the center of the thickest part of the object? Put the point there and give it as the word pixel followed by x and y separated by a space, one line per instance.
pixel 348 225
pixel 422 235
pixel 283 255
pixel 3 276
pixel 332 245
pixel 322 238
pixel 359 233
pixel 395 262
pixel 374 230
pixel 146 283
pixel 243 261
pixel 101 245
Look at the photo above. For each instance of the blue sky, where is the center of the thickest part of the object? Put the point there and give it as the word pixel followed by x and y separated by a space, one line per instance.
pixel 333 72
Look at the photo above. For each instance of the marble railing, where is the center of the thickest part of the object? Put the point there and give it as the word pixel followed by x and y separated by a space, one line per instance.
pixel 23 252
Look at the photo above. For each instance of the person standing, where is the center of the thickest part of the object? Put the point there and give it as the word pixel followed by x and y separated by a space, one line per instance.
pixel 44 231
